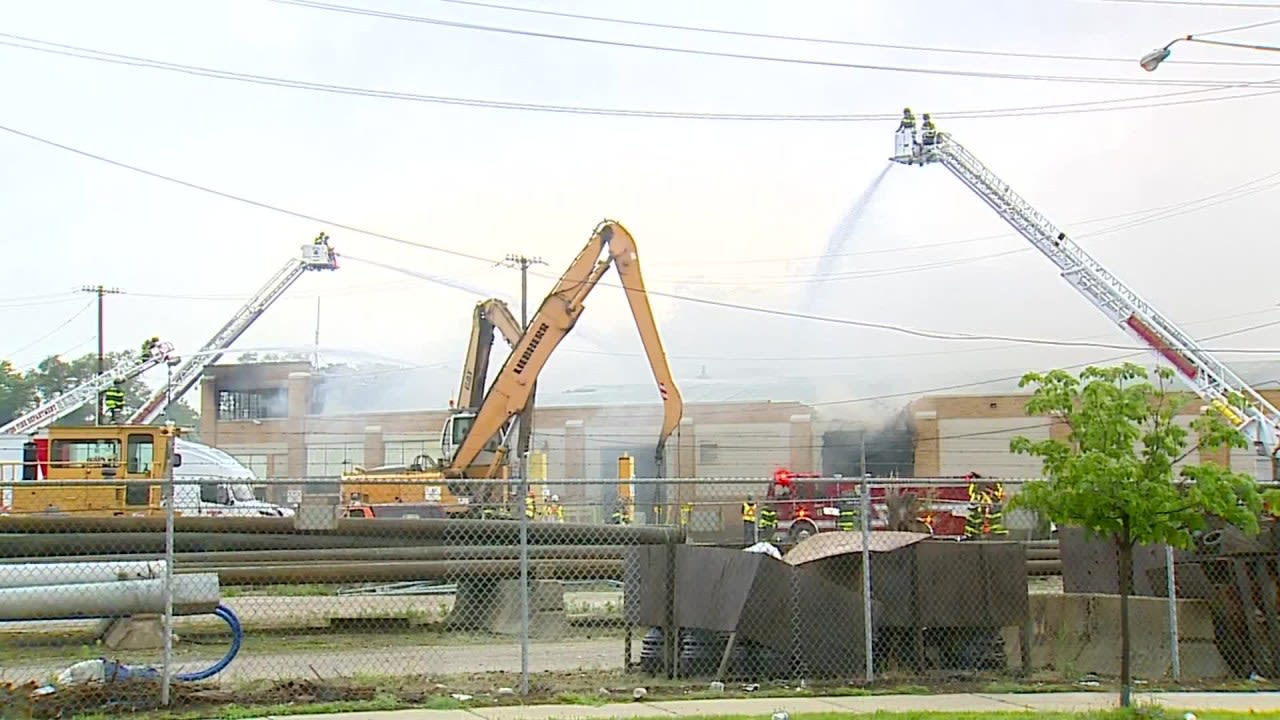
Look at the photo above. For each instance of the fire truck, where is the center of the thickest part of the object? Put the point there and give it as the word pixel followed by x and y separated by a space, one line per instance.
pixel 808 503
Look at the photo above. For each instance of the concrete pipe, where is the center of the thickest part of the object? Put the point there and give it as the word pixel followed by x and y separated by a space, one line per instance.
pixel 496 532
pixel 42 545
pixel 450 553
pixel 75 573
pixel 193 594
pixel 331 573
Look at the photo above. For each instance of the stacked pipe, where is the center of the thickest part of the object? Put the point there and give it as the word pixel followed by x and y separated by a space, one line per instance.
pixel 1043 557
pixel 261 551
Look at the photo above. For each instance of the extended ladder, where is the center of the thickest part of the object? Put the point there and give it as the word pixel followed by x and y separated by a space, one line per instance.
pixel 316 256
pixel 1208 377
pixel 59 407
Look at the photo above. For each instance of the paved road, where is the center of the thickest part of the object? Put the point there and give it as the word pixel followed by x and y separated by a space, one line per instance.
pixel 444 659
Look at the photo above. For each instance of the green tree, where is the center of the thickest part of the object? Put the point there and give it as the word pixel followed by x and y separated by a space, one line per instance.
pixel 1114 477
pixel 15 392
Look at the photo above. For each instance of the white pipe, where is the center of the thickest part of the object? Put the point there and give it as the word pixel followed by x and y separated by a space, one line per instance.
pixel 194 594
pixel 73 573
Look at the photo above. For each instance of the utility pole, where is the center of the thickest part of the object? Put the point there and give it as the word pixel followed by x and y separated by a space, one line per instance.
pixel 100 291
pixel 521 461
pixel 523 263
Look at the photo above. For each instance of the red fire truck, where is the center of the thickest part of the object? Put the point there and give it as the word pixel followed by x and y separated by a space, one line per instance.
pixel 808 503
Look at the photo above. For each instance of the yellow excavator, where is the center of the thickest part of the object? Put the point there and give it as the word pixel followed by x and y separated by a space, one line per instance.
pixel 397 484
pixel 474 440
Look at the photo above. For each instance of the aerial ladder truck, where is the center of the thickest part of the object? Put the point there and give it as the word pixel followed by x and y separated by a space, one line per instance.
pixel 319 255
pixel 1256 418
pixel 158 353
pixel 116 467
pixel 474 439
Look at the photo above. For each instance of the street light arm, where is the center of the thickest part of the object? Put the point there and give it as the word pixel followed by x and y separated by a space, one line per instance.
pixel 1152 60
pixel 1191 38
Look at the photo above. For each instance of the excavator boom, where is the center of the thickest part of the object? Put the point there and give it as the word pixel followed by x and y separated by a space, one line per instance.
pixel 489 315
pixel 556 316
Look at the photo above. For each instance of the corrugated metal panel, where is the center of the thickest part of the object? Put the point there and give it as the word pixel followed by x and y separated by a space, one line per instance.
pixel 982 445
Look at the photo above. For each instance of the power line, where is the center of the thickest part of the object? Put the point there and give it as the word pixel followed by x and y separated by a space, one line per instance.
pixel 889 327
pixel 1110 105
pixel 832 41
pixel 1170 211
pixel 239 198
pixel 1198 3
pixel 964 241
pixel 733 55
pixel 929 334
pixel 51 333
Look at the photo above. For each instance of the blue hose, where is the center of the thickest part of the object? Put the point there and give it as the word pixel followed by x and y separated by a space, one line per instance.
pixel 237 636
pixel 117 671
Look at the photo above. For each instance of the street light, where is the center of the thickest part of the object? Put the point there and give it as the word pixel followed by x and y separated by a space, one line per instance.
pixel 1152 60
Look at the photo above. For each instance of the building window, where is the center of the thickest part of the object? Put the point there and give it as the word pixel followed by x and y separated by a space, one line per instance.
pixel 252 404
pixel 708 452
pixel 257 464
pixel 331 460
pixel 403 452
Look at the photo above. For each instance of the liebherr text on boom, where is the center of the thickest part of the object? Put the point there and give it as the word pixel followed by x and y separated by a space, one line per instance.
pixel 316 256
pixel 1213 381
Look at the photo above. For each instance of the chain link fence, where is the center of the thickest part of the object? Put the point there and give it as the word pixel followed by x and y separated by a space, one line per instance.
pixel 589 587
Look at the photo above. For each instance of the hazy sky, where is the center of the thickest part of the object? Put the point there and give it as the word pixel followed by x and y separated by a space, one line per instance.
pixel 734 211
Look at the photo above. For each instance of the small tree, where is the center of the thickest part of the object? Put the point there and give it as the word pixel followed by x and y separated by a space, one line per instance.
pixel 1113 475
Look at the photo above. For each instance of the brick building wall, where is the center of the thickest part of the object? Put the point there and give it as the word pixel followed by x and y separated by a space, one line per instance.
pixel 962 433
pixel 260 413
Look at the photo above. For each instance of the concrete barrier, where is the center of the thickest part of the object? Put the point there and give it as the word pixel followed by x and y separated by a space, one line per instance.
pixel 1075 634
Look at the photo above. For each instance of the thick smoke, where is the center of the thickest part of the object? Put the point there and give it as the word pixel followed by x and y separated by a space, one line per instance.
pixel 348 390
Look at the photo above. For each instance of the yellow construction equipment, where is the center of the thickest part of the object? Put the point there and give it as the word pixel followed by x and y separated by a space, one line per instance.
pixel 474 440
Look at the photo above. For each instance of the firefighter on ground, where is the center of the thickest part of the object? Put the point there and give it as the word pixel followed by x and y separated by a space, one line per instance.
pixel 768 520
pixel 749 520
pixel 114 399
pixel 619 516
pixel 530 507
pixel 847 520
pixel 986 516
pixel 554 510
pixel 928 131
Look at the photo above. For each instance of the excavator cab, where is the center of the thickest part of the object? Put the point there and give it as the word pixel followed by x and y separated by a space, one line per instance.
pixel 456 427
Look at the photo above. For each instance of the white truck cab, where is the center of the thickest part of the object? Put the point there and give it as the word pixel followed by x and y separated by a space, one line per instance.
pixel 209 482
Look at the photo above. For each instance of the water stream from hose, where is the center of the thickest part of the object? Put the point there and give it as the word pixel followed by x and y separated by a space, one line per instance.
pixel 839 240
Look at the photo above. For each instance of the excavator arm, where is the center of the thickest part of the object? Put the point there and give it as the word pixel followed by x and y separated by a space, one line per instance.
pixel 556 316
pixel 490 314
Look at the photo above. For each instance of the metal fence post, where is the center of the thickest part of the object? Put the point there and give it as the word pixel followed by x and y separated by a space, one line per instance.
pixel 524 580
pixel 169 495
pixel 1171 590
pixel 865 493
